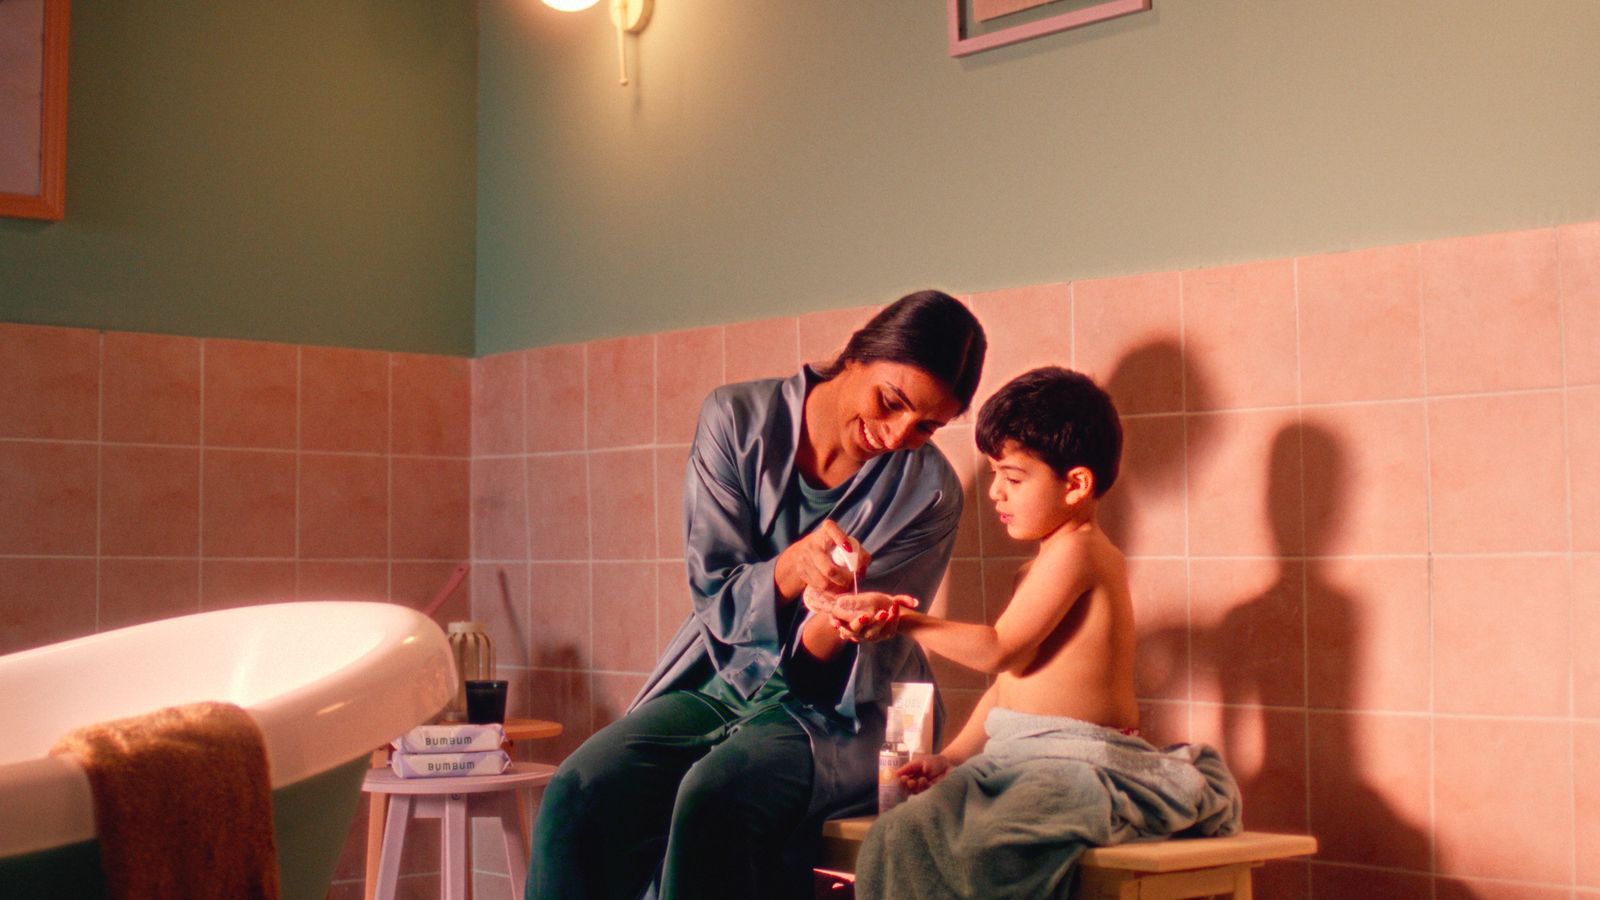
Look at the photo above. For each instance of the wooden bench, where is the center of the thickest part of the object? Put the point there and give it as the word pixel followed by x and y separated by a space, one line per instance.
pixel 1159 870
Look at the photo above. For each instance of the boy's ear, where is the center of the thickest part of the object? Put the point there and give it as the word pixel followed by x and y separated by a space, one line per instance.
pixel 1079 485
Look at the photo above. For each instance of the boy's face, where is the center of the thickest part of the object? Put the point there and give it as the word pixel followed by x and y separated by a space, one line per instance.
pixel 1030 498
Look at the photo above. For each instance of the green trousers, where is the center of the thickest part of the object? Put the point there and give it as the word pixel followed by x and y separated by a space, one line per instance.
pixel 687 791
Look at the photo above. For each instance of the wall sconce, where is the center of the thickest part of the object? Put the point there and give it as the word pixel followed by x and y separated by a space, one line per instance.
pixel 630 16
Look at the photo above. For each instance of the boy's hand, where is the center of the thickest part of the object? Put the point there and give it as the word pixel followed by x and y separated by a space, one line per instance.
pixel 923 772
pixel 870 615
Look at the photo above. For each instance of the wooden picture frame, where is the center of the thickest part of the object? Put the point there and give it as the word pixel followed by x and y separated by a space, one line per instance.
pixel 36 130
pixel 961 44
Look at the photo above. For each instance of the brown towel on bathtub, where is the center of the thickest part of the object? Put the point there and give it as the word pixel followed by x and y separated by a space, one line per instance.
pixel 182 803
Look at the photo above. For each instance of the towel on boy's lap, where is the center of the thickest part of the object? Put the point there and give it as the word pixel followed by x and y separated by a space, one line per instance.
pixel 1013 820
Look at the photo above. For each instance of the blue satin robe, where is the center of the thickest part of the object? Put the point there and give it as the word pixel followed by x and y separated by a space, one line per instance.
pixel 902 506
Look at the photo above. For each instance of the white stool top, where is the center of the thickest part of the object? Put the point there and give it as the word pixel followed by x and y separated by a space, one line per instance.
pixel 521 774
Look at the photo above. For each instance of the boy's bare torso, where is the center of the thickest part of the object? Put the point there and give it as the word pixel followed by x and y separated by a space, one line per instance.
pixel 1084 668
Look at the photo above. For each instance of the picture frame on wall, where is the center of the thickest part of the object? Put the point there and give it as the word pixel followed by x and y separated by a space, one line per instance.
pixel 33 108
pixel 977 25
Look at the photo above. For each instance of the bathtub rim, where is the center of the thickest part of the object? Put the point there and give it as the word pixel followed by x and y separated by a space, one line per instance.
pixel 356 708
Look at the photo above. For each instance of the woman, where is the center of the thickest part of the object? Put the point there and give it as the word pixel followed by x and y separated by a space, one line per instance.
pixel 759 721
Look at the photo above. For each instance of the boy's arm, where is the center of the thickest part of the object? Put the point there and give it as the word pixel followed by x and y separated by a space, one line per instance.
pixel 1059 576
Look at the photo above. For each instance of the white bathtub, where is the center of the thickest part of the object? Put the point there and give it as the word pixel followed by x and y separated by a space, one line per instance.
pixel 326 681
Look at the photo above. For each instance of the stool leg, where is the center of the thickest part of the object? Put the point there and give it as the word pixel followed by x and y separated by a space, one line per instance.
pixel 377 806
pixel 453 847
pixel 394 841
pixel 508 815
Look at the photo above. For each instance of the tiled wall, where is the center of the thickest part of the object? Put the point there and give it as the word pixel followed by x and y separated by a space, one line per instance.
pixel 1361 500
pixel 147 476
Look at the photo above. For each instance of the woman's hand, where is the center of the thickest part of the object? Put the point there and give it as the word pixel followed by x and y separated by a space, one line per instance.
pixel 923 772
pixel 809 563
pixel 870 615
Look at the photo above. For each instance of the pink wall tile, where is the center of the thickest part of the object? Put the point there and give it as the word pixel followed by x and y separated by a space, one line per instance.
pixel 674 602
pixel 151 389
pixel 430 501
pixel 1369 789
pixel 342 580
pixel 769 348
pixel 344 400
pixel 228 583
pixel 1497 474
pixel 1239 329
pixel 500 601
pixel 1490 316
pixel 499 509
pixel 1480 889
pixel 1366 479
pixel 1244 477
pixel 625 616
pixel 1266 751
pixel 432 406
pixel 612 694
pixel 671 466
pixel 1360 325
pixel 1161 610
pixel 556 380
pixel 52 378
pixel 344 507
pixel 149 501
pixel 824 334
pixel 622 487
pixel 560 695
pixel 1586 636
pixel 1127 336
pixel 1026 327
pixel 1488 662
pixel 1492 826
pixel 415 584
pixel 621 389
pixel 1248 638
pixel 1146 512
pixel 1583 456
pixel 47 498
pixel 558 507
pixel 1586 768
pixel 498 426
pixel 1368 884
pixel 135 591
pixel 560 607
pixel 45 600
pixel 252 394
pixel 688 366
pixel 960 597
pixel 1578 251
pixel 956 443
pixel 248 503
pixel 1368 633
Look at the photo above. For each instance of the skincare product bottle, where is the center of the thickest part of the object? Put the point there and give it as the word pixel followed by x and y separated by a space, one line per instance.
pixel 891 792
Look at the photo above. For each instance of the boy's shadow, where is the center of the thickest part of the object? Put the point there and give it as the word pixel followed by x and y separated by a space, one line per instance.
pixel 1258 721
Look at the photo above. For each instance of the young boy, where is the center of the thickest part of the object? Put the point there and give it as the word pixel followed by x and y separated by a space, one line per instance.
pixel 1050 762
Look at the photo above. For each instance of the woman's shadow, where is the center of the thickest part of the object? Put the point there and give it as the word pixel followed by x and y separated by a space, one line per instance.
pixel 1306 467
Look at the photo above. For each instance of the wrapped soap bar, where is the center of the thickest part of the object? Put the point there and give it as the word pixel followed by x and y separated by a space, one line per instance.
pixel 449 765
pixel 450 739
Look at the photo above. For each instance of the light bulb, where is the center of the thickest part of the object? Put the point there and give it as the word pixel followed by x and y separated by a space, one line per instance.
pixel 570 5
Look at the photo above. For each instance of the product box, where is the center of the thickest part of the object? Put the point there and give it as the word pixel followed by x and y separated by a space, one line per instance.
pixel 449 765
pixel 914 699
pixel 450 739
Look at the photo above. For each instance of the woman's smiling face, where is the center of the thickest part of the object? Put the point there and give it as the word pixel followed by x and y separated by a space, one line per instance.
pixel 887 406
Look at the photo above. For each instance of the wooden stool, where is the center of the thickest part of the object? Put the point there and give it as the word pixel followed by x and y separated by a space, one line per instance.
pixel 1174 869
pixel 455 802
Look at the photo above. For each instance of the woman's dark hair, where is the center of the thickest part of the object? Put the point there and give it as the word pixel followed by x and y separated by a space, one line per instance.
pixel 930 330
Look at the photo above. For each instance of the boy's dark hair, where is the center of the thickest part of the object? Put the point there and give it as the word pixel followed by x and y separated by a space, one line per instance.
pixel 930 330
pixel 1060 416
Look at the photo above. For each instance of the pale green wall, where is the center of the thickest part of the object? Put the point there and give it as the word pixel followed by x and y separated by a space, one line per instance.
pixel 296 171
pixel 776 157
